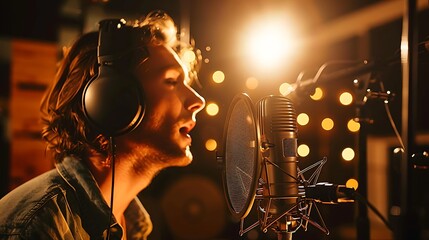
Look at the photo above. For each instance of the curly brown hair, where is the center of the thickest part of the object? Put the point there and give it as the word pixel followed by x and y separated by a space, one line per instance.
pixel 65 128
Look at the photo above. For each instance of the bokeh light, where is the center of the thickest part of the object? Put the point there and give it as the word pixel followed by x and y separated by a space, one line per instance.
pixel 346 98
pixel 352 183
pixel 189 56
pixel 317 95
pixel 252 83
pixel 327 124
pixel 218 77
pixel 348 154
pixel 211 144
pixel 285 89
pixel 353 126
pixel 303 150
pixel 302 119
pixel 212 109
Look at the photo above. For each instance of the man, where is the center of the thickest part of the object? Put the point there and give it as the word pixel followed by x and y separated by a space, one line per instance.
pixel 75 200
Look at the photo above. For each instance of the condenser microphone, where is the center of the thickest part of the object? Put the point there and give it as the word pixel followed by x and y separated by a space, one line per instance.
pixel 277 120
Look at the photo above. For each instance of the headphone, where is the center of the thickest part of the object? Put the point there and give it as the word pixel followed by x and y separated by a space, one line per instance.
pixel 113 101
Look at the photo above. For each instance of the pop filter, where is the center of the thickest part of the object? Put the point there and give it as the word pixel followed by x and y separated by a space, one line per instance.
pixel 241 159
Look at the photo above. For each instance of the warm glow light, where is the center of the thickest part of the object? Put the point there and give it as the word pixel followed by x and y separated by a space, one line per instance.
pixel 327 124
pixel 269 40
pixel 318 94
pixel 211 144
pixel 302 119
pixel 348 154
pixel 346 98
pixel 251 83
pixel 285 88
pixel 303 150
pixel 353 126
pixel 189 56
pixel 218 76
pixel 352 183
pixel 212 109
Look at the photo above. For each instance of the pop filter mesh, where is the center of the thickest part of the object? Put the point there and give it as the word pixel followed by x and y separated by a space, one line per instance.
pixel 241 157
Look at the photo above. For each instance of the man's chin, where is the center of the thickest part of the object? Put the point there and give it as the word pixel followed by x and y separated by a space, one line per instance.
pixel 182 159
pixel 186 159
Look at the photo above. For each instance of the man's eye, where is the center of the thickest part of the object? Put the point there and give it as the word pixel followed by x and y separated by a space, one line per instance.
pixel 171 81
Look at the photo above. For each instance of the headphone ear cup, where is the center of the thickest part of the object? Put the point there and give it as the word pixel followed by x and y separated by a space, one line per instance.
pixel 113 102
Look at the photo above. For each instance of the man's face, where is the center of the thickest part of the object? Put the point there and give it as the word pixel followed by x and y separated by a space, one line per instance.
pixel 171 106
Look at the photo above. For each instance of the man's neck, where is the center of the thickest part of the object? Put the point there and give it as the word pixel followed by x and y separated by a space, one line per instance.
pixel 127 184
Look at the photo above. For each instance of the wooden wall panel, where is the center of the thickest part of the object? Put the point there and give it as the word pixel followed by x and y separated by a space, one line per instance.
pixel 33 66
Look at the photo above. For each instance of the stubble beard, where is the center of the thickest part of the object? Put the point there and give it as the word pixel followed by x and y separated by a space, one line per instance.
pixel 154 146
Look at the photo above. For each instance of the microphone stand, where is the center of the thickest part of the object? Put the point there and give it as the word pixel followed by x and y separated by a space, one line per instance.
pixel 363 70
pixel 362 220
pixel 408 220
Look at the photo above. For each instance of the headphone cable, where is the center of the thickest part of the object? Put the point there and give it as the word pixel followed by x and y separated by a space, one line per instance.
pixel 113 154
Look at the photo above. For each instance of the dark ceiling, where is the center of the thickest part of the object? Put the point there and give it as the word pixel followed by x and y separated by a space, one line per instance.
pixel 39 19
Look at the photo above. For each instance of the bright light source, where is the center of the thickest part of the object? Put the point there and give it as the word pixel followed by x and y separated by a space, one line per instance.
pixel 302 119
pixel 211 144
pixel 353 126
pixel 218 77
pixel 327 124
pixel 269 40
pixel 348 154
pixel 352 183
pixel 285 88
pixel 212 109
pixel 303 150
pixel 318 94
pixel 251 83
pixel 346 98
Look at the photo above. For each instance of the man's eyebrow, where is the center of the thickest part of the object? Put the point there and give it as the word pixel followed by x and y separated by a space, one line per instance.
pixel 179 69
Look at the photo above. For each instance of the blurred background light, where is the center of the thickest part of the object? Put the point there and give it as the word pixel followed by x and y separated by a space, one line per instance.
pixel 211 144
pixel 218 76
pixel 303 150
pixel 212 109
pixel 346 98
pixel 285 88
pixel 252 83
pixel 302 119
pixel 318 94
pixel 348 154
pixel 268 40
pixel 189 56
pixel 352 183
pixel 327 124
pixel 353 126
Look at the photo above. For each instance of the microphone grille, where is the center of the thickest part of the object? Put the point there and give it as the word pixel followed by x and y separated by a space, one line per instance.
pixel 281 113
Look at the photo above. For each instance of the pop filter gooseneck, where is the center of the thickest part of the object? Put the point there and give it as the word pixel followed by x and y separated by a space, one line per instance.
pixel 241 158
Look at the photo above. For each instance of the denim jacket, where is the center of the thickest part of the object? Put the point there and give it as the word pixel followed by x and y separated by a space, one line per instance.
pixel 66 203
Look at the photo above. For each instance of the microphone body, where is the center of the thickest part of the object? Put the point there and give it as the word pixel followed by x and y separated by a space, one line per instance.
pixel 277 121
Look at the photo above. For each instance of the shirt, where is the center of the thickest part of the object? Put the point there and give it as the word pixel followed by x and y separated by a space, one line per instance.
pixel 66 203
